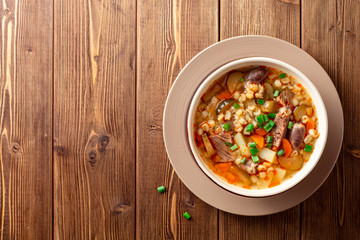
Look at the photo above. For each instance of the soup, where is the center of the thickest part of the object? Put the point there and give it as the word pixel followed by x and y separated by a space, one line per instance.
pixel 255 127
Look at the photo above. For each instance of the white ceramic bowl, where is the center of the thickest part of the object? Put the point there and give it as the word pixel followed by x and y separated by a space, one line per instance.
pixel 317 101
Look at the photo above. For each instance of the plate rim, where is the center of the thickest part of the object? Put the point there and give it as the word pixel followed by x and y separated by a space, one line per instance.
pixel 224 42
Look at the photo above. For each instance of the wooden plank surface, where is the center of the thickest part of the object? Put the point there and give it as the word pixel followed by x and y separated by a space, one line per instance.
pixel 170 33
pixel 276 18
pixel 331 34
pixel 26 119
pixel 94 119
pixel 83 86
pixel 279 19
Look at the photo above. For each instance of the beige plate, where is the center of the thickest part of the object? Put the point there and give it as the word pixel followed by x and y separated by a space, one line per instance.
pixel 176 109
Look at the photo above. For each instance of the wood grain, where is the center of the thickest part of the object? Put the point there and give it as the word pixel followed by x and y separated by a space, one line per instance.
pixel 331 34
pixel 170 33
pixel 26 119
pixel 94 119
pixel 82 90
pixel 279 19
pixel 276 18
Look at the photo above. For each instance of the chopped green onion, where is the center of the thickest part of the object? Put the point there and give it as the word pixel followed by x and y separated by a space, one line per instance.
pixel 249 128
pixel 269 126
pixel 187 215
pixel 226 127
pixel 269 145
pixel 253 144
pixel 290 125
pixel 308 148
pixel 229 144
pixel 261 101
pixel 254 150
pixel 242 80
pixel 266 119
pixel 281 152
pixel 269 139
pixel 282 75
pixel 161 189
pixel 236 106
pixel 272 115
pixel 234 147
pixel 276 93
pixel 243 160
pixel 255 159
pixel 260 118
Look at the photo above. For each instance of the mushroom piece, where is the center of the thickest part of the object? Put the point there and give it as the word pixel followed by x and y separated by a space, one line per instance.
pixel 291 163
pixel 297 135
pixel 233 81
pixel 257 75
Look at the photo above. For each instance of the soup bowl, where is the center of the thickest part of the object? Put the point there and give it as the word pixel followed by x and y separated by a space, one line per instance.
pixel 322 125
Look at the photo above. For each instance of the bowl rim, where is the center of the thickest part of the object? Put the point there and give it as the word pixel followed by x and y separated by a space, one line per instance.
pixel 288 184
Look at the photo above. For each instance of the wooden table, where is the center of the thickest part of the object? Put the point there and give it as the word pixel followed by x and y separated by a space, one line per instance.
pixel 83 86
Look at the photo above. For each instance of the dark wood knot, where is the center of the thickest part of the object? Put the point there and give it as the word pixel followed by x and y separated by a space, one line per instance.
pixel 120 208
pixel 29 51
pixel 350 33
pixel 92 158
pixel 7 13
pixel 60 150
pixel 189 203
pixel 15 148
pixel 354 152
pixel 154 127
pixel 103 142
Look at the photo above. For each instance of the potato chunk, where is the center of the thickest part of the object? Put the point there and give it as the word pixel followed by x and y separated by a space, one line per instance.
pixel 268 155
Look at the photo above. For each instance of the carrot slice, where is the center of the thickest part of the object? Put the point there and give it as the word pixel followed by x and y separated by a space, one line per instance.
pixel 261 131
pixel 258 139
pixel 223 166
pixel 273 184
pixel 231 178
pixel 224 95
pixel 246 186
pixel 310 125
pixel 287 147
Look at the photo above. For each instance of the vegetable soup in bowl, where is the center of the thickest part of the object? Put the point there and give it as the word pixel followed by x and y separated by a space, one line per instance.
pixel 257 126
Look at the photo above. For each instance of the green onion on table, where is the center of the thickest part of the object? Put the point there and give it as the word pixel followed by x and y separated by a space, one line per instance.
pixel 161 189
pixel 187 215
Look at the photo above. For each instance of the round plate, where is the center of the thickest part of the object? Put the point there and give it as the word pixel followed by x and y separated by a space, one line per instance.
pixel 177 105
